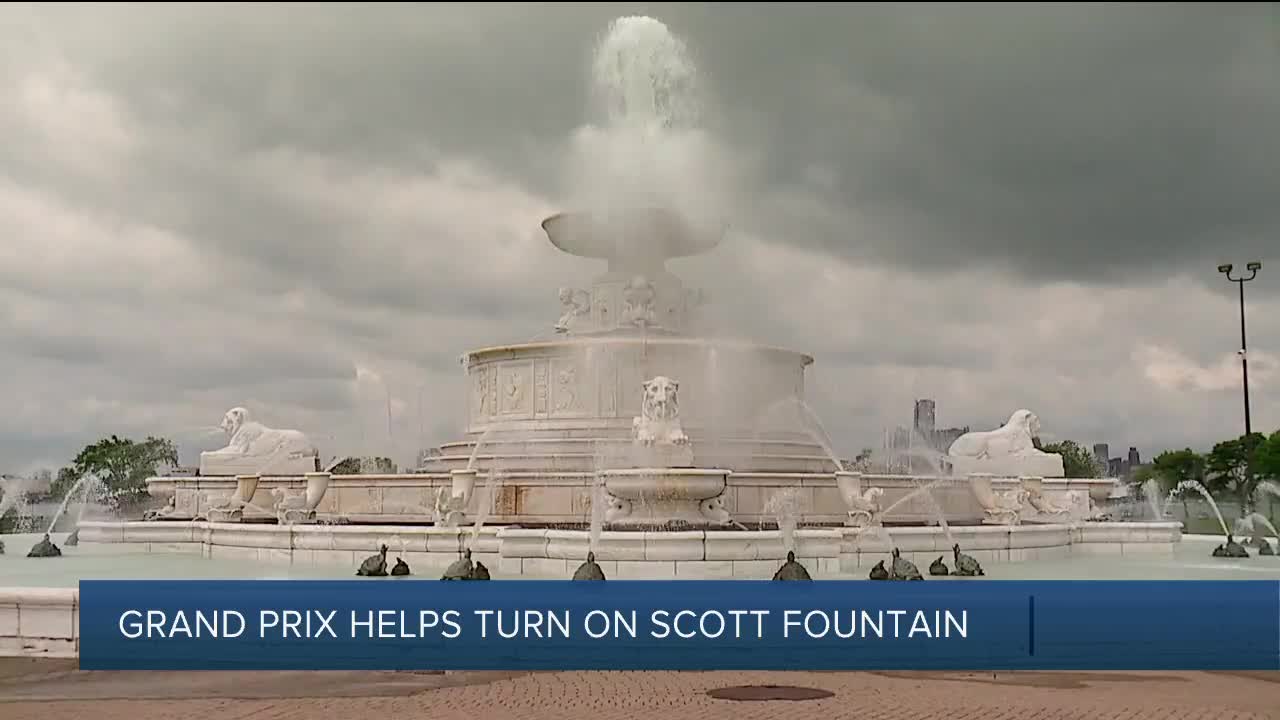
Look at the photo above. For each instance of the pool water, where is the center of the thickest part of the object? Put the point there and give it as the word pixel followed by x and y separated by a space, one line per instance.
pixel 1191 560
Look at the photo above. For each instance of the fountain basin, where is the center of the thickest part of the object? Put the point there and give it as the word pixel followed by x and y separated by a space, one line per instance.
pixel 661 497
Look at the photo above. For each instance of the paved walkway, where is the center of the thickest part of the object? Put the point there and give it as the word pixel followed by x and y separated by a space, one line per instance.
pixel 53 690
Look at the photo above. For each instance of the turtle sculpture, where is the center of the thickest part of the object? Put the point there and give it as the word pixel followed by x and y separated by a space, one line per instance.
pixel 878 572
pixel 401 568
pixel 1220 551
pixel 374 565
pixel 966 565
pixel 791 570
pixel 903 569
pixel 44 548
pixel 1234 549
pixel 1266 548
pixel 937 567
pixel 589 570
pixel 479 572
pixel 460 569
pixel 73 539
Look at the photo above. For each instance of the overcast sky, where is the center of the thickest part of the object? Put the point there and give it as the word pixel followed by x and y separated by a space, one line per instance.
pixel 291 208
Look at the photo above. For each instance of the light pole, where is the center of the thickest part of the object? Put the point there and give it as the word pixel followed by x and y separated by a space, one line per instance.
pixel 1253 269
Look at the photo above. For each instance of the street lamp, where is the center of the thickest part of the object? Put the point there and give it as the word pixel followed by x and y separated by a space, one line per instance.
pixel 1253 269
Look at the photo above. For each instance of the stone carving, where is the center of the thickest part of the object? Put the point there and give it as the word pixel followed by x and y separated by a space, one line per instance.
pixel 169 509
pixel 513 392
pixel 878 571
pixel 999 508
pixel 401 568
pixel 1008 451
pixel 567 389
pixel 482 391
pixel 638 295
pixel 616 508
pixel 659 420
pixel 576 304
pixel 865 506
pixel 300 507
pixel 1038 500
pixel 255 448
pixel 230 508
pixel 937 567
pixel 714 511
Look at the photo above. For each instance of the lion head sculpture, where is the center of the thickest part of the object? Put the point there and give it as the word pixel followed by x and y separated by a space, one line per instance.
pixel 233 420
pixel 1025 421
pixel 660 401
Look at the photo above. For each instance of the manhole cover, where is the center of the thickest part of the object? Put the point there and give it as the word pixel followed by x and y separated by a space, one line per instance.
pixel 755 693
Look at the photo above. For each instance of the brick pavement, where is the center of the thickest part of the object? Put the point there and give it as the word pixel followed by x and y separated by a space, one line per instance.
pixel 634 695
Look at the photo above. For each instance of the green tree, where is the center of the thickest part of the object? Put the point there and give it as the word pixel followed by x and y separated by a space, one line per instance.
pixel 1233 465
pixel 1267 458
pixel 1076 461
pixel 123 465
pixel 1172 467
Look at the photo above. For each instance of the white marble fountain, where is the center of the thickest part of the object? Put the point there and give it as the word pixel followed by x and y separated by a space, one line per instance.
pixel 634 437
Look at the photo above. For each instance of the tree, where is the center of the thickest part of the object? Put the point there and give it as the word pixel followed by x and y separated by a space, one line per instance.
pixel 63 482
pixel 123 465
pixel 1267 458
pixel 1172 467
pixel 1232 466
pixel 1076 461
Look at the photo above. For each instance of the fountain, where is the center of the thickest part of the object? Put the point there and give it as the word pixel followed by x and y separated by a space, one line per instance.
pixel 632 436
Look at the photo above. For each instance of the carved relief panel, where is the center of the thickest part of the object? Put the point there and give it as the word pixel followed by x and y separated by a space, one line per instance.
pixel 573 390
pixel 482 405
pixel 515 386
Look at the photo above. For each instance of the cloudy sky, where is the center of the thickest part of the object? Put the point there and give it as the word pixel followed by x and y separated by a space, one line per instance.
pixel 306 210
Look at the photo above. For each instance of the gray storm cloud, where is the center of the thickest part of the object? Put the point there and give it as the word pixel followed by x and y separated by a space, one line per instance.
pixel 210 206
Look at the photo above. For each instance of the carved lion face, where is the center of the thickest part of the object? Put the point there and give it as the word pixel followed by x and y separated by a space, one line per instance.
pixel 232 421
pixel 660 398
pixel 1027 420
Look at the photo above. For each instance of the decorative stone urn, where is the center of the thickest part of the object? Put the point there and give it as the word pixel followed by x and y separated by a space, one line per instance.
pixel 865 506
pixel 231 509
pixel 299 508
pixel 451 502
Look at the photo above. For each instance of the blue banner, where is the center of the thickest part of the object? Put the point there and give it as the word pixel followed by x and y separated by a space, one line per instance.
pixel 406 624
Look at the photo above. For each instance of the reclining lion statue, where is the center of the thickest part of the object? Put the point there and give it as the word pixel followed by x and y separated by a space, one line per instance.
pixel 1009 450
pixel 255 449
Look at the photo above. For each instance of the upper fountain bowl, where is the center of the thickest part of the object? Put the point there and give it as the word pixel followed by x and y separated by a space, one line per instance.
pixel 632 239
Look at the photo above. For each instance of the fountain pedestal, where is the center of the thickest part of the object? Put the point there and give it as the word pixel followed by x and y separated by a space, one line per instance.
pixel 661 497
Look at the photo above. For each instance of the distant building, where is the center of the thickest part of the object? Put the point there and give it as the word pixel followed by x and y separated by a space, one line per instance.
pixel 923 433
pixel 925 417
pixel 1101 454
pixel 1122 468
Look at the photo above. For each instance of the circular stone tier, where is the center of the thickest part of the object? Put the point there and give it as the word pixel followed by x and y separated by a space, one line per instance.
pixel 561 404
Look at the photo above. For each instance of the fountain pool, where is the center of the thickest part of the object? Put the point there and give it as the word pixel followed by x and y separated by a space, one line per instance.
pixel 1186 560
